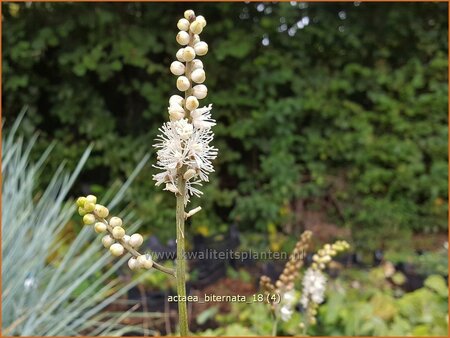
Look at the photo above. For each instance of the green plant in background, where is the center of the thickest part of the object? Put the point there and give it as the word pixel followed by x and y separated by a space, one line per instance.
pixel 283 297
pixel 339 107
pixel 45 291
pixel 370 305
pixel 184 156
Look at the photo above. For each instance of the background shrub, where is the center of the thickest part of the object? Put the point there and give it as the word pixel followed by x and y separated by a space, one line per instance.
pixel 336 107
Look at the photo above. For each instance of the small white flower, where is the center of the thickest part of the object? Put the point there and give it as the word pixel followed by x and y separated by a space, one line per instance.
pixel 201 118
pixel 183 128
pixel 286 313
pixel 289 297
pixel 314 285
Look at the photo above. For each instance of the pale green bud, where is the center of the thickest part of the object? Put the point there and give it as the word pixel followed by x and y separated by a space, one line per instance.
pixel 183 24
pixel 118 232
pixel 91 198
pixel 107 241
pixel 136 240
pixel 115 221
pixel 100 227
pixel 81 201
pixel 116 249
pixel 101 211
pixel 88 219
pixel 89 207
pixel 191 103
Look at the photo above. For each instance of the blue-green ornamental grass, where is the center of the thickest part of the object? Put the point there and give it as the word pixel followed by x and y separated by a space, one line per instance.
pixel 45 292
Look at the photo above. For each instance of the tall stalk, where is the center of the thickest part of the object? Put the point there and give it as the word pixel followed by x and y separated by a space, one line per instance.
pixel 184 157
pixel 181 261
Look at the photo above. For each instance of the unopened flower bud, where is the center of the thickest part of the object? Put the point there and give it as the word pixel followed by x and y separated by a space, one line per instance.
pixel 183 38
pixel 179 55
pixel 101 211
pixel 188 54
pixel 326 259
pixel 171 187
pixel 126 239
pixel 133 264
pixel 201 19
pixel 200 91
pixel 183 24
pixel 177 68
pixel 196 64
pixel 189 174
pixel 195 39
pixel 176 116
pixel 89 207
pixel 116 249
pixel 198 76
pixel 145 261
pixel 80 201
pixel 188 14
pixel 118 232
pixel 196 27
pixel 201 48
pixel 115 222
pixel 176 112
pixel 107 241
pixel 183 83
pixel 88 219
pixel 191 103
pixel 176 99
pixel 100 227
pixel 136 240
pixel 91 198
pixel 81 211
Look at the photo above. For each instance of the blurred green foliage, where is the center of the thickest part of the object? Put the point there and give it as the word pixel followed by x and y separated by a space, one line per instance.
pixel 337 106
pixel 358 303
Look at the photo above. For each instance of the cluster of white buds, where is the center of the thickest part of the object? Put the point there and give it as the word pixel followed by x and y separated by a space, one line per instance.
pixel 115 238
pixel 184 150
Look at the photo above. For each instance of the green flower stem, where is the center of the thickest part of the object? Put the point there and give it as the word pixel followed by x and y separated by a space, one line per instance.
pixel 181 260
